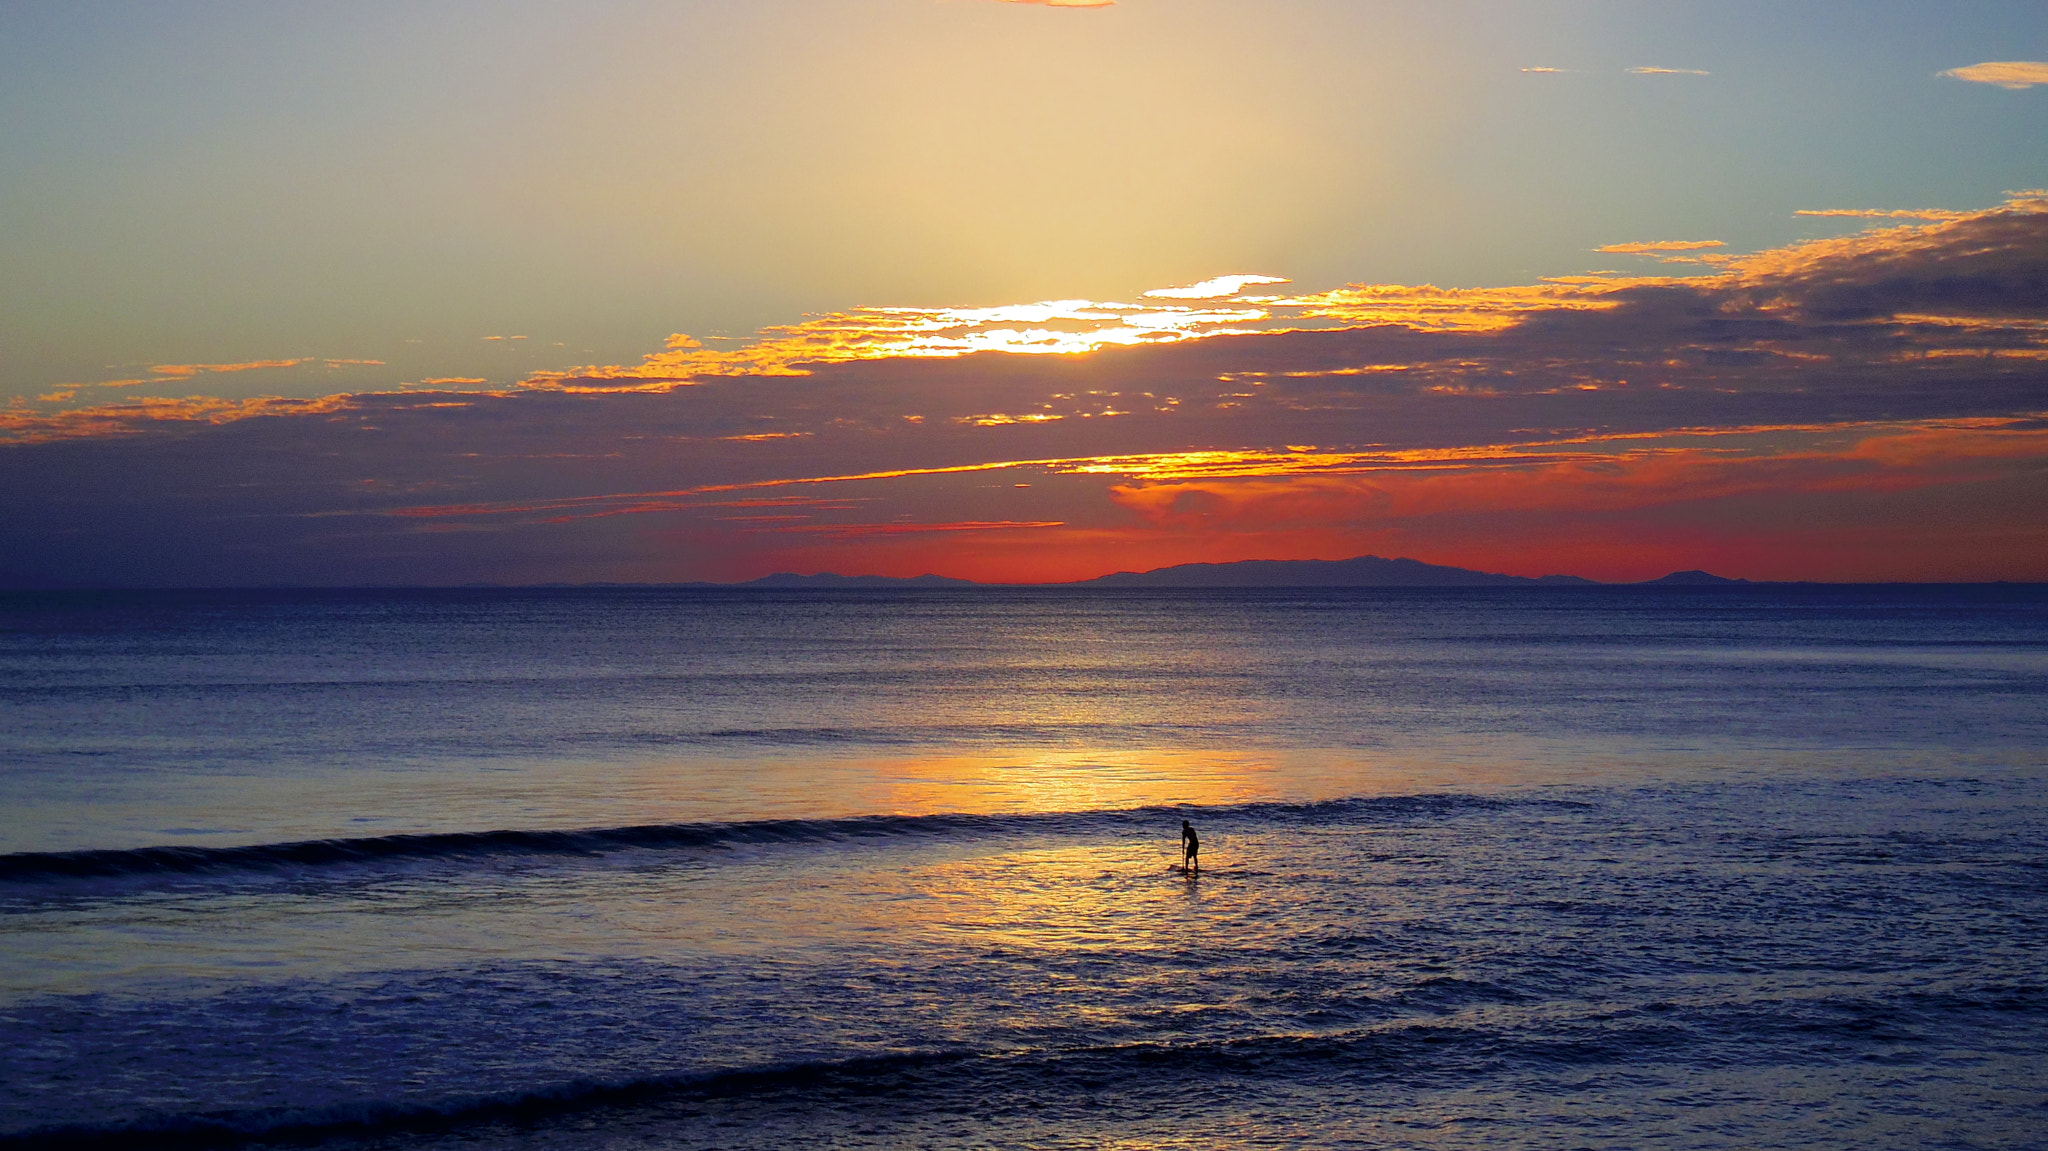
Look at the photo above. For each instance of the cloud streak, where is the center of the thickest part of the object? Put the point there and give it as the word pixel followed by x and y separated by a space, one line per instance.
pixel 187 371
pixel 1214 289
pixel 1885 213
pixel 2009 74
pixel 1656 246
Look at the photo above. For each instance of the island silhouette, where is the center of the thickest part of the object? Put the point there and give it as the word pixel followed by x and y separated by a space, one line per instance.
pixel 1358 571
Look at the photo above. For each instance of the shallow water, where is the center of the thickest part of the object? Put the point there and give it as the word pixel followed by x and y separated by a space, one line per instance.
pixel 617 869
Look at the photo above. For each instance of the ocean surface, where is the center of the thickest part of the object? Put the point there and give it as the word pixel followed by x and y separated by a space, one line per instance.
pixel 1623 867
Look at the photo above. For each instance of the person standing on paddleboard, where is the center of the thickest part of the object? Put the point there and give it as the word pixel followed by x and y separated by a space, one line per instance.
pixel 1190 847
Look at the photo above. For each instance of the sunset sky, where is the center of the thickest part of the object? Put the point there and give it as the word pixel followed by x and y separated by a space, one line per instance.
pixel 438 293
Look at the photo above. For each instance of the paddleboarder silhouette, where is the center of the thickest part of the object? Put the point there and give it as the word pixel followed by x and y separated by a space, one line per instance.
pixel 1190 847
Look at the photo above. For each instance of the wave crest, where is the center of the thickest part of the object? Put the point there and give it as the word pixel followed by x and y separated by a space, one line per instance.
pixel 33 866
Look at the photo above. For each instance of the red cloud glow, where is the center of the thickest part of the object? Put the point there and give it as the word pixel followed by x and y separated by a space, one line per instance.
pixel 1864 407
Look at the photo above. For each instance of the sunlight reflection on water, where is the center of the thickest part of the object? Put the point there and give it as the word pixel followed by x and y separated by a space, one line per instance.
pixel 1594 870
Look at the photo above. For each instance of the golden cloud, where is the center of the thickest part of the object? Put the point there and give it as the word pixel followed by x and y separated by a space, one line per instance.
pixel 1213 289
pixel 1611 471
pixel 154 411
pixel 2010 74
pixel 1887 213
pixel 1951 280
pixel 1661 246
pixel 1625 473
pixel 187 371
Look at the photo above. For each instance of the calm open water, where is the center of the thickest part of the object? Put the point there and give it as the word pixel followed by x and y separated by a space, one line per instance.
pixel 1612 868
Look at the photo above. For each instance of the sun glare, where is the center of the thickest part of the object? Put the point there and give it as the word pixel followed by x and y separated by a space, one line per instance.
pixel 1079 326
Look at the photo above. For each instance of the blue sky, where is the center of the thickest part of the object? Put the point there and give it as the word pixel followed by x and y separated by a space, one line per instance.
pixel 228 183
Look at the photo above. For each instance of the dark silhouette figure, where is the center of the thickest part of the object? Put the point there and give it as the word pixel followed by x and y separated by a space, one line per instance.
pixel 1190 846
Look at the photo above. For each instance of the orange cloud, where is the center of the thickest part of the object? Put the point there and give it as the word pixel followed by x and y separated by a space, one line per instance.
pixel 1302 485
pixel 1662 246
pixel 2010 74
pixel 1052 327
pixel 136 416
pixel 1642 493
pixel 1068 327
pixel 1668 72
pixel 187 371
pixel 1887 214
pixel 1601 472
pixel 853 531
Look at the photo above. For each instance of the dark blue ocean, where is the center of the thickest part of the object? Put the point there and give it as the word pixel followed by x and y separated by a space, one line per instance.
pixel 1619 867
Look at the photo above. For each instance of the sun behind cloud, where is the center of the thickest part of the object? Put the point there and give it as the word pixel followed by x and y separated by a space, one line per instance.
pixel 1213 289
pixel 1866 406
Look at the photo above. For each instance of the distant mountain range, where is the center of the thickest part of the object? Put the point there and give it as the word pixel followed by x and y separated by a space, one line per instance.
pixel 1360 571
